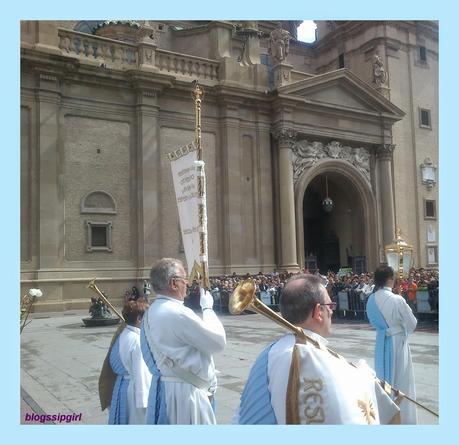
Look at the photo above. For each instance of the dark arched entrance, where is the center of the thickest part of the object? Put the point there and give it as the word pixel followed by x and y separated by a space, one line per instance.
pixel 334 239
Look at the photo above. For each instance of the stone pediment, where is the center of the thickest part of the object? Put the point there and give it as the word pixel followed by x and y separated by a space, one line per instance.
pixel 341 89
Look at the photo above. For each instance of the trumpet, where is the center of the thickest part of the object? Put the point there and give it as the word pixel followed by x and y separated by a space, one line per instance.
pixel 244 298
pixel 93 286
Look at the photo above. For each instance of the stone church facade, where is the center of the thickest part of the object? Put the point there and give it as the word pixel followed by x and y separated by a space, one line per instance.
pixel 352 117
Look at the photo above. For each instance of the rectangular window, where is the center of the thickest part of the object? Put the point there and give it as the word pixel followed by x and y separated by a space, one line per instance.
pixel 424 118
pixel 422 54
pixel 99 236
pixel 430 211
pixel 341 61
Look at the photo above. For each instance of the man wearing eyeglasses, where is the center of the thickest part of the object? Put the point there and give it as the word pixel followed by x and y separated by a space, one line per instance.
pixel 320 396
pixel 304 302
pixel 177 346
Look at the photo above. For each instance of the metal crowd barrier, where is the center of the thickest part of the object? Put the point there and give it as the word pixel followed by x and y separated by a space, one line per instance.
pixel 352 305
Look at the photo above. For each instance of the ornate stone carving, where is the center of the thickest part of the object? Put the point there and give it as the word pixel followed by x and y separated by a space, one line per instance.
pixel 285 136
pixel 48 77
pixel 385 151
pixel 379 73
pixel 428 173
pixel 306 154
pixel 279 43
pixel 149 93
pixel 148 54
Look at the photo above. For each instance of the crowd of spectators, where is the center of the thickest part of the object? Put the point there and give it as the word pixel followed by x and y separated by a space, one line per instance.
pixel 355 287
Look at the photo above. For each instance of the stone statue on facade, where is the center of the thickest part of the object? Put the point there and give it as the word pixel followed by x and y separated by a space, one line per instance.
pixel 379 73
pixel 279 42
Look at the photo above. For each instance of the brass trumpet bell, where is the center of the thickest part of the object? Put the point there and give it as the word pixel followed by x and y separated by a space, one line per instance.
pixel 242 296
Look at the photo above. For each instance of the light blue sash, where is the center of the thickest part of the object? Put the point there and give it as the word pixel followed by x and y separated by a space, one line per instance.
pixel 118 408
pixel 156 411
pixel 256 408
pixel 383 349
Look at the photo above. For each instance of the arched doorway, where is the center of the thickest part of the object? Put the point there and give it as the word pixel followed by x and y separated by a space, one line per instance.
pixel 334 238
pixel 345 237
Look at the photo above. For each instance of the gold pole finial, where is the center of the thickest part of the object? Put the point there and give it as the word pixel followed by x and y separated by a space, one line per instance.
pixel 197 92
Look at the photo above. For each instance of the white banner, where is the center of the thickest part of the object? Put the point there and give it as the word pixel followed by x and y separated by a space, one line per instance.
pixel 186 192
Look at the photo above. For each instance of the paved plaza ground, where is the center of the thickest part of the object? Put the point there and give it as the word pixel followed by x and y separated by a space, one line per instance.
pixel 61 361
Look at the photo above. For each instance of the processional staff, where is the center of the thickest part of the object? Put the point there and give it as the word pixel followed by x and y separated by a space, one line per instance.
pixel 198 93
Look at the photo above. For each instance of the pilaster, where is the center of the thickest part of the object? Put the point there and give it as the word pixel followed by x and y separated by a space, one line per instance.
pixel 149 240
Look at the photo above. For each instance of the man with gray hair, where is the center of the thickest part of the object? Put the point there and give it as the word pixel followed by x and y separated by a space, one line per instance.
pixel 177 346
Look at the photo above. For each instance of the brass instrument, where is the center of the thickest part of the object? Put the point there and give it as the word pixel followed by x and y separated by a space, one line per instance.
pixel 244 298
pixel 93 286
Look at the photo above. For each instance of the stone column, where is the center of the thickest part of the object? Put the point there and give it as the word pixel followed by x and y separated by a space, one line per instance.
pixel 51 211
pixel 149 240
pixel 386 187
pixel 286 140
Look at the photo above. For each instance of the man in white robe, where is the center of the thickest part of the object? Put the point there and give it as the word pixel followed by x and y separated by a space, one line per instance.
pixel 394 321
pixel 305 303
pixel 181 345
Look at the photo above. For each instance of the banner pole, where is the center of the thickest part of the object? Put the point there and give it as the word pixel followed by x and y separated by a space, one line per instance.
pixel 197 93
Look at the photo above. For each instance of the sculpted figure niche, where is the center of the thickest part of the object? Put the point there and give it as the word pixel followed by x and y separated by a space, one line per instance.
pixel 279 42
pixel 379 73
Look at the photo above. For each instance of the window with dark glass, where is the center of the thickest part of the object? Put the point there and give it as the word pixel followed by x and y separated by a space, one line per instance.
pixel 99 236
pixel 422 54
pixel 425 118
pixel 429 208
pixel 341 61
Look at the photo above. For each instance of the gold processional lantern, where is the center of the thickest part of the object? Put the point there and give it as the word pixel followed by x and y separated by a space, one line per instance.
pixel 399 256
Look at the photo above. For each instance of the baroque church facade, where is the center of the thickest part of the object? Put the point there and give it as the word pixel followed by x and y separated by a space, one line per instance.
pixel 315 152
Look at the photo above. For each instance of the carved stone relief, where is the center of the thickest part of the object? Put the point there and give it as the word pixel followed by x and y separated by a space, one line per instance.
pixel 306 154
pixel 385 151
pixel 285 136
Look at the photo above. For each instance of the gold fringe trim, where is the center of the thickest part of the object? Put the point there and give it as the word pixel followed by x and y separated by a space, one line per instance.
pixel 292 416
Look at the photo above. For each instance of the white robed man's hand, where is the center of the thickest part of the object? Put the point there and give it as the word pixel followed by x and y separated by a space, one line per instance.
pixel 206 301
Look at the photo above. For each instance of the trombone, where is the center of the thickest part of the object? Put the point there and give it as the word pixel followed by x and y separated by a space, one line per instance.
pixel 93 286
pixel 244 298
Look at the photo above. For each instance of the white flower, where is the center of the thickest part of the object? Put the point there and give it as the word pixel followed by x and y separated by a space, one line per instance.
pixel 35 293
